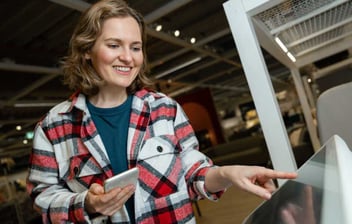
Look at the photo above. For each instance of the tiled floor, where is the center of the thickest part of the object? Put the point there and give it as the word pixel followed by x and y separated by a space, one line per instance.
pixel 232 208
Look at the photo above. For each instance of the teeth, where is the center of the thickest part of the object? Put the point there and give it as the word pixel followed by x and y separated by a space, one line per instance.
pixel 123 69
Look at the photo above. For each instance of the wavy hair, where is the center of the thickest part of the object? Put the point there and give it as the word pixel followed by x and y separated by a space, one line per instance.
pixel 79 73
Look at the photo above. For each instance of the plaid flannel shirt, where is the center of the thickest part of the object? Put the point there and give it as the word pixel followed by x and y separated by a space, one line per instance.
pixel 68 155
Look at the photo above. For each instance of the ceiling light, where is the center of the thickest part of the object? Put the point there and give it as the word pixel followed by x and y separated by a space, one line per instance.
pixel 291 57
pixel 279 42
pixel 284 48
pixel 193 40
pixel 158 28
pixel 25 141
pixel 18 127
pixel 177 33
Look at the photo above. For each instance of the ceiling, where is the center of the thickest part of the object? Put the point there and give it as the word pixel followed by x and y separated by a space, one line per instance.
pixel 35 35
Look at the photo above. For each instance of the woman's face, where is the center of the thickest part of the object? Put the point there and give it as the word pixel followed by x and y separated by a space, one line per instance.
pixel 117 54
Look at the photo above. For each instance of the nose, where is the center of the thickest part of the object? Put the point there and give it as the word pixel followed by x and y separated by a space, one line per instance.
pixel 125 55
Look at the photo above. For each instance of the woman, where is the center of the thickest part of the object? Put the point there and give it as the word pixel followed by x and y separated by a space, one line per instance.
pixel 113 123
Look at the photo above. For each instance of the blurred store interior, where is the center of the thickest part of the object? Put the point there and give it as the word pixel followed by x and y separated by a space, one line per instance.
pixel 193 58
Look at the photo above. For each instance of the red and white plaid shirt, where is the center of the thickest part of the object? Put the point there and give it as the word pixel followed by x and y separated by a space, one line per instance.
pixel 68 156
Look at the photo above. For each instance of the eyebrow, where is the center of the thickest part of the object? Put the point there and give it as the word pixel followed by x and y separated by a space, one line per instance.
pixel 120 41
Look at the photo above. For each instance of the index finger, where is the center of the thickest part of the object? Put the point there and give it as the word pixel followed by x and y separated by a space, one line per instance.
pixel 281 174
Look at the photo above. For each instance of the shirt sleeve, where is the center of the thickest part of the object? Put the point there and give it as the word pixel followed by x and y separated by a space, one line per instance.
pixel 57 203
pixel 195 163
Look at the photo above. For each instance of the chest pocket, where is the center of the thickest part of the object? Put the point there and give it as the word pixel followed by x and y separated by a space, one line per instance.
pixel 160 167
pixel 81 171
pixel 84 171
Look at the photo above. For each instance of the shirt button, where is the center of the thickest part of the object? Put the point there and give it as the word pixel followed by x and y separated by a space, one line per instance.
pixel 76 170
pixel 159 148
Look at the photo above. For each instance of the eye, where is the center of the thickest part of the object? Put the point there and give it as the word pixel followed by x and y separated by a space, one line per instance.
pixel 136 49
pixel 113 46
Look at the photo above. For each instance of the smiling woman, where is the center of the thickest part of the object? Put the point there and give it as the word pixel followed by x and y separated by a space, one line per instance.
pixel 117 58
pixel 114 122
pixel 106 48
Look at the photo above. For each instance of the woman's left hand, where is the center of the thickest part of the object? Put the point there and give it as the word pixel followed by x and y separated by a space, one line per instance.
pixel 255 179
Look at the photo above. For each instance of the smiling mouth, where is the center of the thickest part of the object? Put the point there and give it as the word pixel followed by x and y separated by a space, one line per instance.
pixel 122 68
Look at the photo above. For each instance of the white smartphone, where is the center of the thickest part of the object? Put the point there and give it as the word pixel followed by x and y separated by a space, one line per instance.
pixel 122 180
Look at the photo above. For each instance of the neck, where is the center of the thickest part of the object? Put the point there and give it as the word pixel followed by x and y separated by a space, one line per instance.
pixel 108 99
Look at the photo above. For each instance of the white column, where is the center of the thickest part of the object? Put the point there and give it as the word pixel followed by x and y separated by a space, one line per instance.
pixel 307 113
pixel 309 92
pixel 260 86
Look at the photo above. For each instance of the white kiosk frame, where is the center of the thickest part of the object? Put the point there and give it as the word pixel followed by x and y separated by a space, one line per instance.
pixel 251 32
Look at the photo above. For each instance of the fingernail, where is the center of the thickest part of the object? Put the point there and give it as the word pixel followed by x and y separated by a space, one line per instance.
pixel 267 196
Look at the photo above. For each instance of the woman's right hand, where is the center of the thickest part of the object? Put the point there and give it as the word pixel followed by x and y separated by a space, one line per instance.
pixel 97 201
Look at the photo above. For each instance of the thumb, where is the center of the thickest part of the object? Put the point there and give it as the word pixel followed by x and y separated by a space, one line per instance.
pixel 258 190
pixel 96 189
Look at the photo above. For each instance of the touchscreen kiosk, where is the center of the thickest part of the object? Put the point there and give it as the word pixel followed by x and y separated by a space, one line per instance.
pixel 320 194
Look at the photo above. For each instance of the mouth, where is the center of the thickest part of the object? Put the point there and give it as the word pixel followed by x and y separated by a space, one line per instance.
pixel 122 68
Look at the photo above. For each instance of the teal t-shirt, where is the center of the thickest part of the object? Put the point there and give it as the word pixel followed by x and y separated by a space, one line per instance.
pixel 112 125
